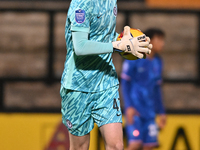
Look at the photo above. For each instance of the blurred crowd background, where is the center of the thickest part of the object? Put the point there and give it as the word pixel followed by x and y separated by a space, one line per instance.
pixel 32 51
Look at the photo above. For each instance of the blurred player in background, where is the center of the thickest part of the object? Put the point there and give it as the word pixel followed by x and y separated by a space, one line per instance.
pixel 89 84
pixel 141 88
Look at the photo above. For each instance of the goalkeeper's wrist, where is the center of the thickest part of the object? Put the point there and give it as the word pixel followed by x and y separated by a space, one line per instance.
pixel 115 46
pixel 117 50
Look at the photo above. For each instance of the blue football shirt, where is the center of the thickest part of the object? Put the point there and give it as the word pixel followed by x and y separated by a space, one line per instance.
pixel 141 86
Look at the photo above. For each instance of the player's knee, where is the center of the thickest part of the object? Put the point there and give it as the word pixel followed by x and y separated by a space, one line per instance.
pixel 115 146
pixel 79 147
pixel 119 146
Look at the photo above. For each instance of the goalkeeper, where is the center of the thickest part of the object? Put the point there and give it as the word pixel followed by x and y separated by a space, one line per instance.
pixel 141 88
pixel 89 83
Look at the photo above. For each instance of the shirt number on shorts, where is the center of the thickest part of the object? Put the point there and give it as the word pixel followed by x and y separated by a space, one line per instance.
pixel 153 130
pixel 115 106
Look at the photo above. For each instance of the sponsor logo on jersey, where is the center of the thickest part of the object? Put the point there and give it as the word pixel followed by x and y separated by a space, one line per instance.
pixel 99 16
pixel 119 114
pixel 69 124
pixel 80 16
pixel 115 11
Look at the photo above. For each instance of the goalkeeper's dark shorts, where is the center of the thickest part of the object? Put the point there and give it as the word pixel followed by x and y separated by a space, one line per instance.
pixel 80 110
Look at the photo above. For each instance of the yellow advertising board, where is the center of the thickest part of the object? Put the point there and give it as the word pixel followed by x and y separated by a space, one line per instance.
pixel 41 131
pixel 182 132
pixel 194 4
pixel 44 131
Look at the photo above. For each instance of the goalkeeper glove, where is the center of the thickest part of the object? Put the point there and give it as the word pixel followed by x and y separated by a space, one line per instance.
pixel 134 45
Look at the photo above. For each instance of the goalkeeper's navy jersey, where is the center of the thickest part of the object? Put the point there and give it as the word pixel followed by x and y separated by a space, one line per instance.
pixel 90 73
pixel 141 80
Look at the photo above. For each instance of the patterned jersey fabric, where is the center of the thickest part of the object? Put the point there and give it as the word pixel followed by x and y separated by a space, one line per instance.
pixel 90 73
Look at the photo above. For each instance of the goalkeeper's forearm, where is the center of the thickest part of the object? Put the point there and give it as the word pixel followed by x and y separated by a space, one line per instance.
pixel 83 46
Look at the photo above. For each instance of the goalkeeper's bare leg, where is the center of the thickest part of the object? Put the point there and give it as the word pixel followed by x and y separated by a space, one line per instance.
pixel 79 142
pixel 113 136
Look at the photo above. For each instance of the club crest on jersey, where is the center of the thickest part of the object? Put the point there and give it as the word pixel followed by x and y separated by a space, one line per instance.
pixel 115 11
pixel 80 16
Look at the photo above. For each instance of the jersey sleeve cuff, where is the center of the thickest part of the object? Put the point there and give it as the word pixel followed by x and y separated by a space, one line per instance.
pixel 80 29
